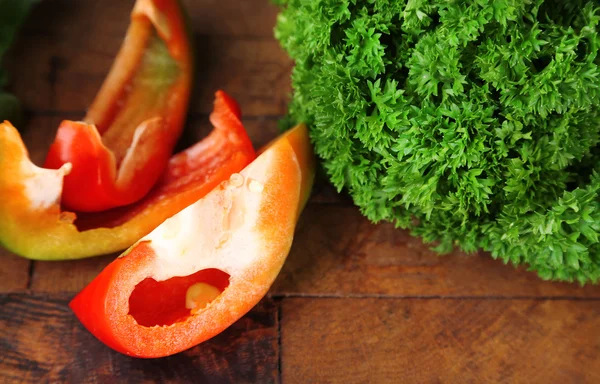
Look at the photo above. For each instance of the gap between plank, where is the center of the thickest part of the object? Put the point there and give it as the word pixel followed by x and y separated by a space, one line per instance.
pixel 30 274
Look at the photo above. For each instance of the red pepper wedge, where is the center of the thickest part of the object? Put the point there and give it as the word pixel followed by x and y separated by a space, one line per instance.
pixel 124 143
pixel 33 225
pixel 204 268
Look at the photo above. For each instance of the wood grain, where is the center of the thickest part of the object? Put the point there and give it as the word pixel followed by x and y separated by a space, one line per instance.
pixel 66 49
pixel 337 252
pixel 14 272
pixel 439 341
pixel 42 341
pixel 67 275
pixel 247 19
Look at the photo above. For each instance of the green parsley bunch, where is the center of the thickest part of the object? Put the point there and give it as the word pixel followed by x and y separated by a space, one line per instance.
pixel 475 124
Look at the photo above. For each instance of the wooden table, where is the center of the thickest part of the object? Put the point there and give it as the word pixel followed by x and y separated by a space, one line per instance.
pixel 355 302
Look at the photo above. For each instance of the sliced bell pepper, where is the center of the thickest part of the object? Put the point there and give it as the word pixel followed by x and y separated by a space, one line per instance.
pixel 124 143
pixel 33 225
pixel 205 267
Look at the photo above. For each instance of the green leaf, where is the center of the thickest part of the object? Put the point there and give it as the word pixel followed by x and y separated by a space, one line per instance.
pixel 10 108
pixel 589 232
pixel 12 15
pixel 572 259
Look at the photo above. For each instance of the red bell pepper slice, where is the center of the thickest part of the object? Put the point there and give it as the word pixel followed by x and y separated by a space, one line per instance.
pixel 33 225
pixel 205 267
pixel 124 143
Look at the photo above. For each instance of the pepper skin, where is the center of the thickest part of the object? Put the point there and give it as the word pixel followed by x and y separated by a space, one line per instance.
pixel 33 225
pixel 127 137
pixel 204 268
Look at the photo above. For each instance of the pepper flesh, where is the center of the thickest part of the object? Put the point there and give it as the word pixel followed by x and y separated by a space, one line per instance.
pixel 125 141
pixel 33 225
pixel 235 240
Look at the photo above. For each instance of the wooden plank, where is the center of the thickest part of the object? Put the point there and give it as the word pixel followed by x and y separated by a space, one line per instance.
pixel 432 341
pixel 338 252
pixel 14 272
pixel 42 341
pixel 67 276
pixel 255 72
pixel 249 19
pixel 67 47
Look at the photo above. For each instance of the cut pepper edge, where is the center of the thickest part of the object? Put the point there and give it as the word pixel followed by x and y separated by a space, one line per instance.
pixel 138 114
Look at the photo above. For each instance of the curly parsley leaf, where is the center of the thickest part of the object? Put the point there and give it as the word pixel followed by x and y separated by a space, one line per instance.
pixel 475 124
